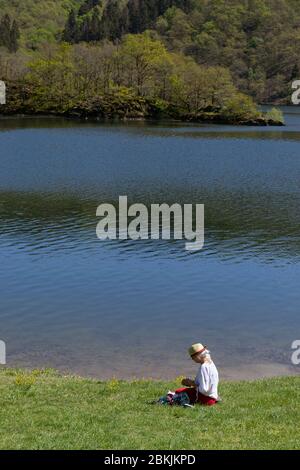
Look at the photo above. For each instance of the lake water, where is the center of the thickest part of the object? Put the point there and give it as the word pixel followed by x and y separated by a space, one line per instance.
pixel 124 308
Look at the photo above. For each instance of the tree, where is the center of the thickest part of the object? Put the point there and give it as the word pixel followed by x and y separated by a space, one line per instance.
pixel 9 33
pixel 5 25
pixel 142 56
pixel 53 78
pixel 14 37
pixel 87 6
pixel 70 33
pixel 179 31
pixel 240 107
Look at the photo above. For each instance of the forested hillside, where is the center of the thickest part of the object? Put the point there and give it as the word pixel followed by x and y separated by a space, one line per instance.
pixel 256 41
pixel 38 20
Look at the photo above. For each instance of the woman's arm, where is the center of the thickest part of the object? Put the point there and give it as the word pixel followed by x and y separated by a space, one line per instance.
pixel 188 382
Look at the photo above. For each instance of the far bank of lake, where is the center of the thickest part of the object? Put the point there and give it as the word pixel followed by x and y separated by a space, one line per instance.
pixel 23 100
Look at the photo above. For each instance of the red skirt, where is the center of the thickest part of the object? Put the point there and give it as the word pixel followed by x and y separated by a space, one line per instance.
pixel 202 399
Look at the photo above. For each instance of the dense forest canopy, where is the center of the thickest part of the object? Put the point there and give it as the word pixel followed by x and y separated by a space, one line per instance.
pixel 256 41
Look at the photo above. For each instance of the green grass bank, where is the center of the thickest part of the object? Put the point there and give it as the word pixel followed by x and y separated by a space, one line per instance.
pixel 46 410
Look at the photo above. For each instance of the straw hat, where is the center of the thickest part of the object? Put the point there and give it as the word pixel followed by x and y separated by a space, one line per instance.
pixel 196 348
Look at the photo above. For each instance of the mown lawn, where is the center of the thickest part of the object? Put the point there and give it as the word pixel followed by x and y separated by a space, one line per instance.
pixel 45 410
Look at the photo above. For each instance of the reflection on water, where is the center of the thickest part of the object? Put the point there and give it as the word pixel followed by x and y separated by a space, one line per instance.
pixel 131 308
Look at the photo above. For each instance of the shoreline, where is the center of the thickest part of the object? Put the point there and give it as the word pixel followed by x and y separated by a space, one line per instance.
pixel 241 372
pixel 204 118
pixel 23 100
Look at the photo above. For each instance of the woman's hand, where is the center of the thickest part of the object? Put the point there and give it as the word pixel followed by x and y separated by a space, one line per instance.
pixel 188 383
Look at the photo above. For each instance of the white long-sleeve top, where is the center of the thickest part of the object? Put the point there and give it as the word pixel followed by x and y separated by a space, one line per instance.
pixel 207 380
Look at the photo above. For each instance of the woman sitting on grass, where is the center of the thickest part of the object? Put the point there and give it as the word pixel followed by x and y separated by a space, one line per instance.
pixel 204 389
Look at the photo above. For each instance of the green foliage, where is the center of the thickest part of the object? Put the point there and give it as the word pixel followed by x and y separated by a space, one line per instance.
pixel 140 66
pixel 141 56
pixel 256 40
pixel 275 114
pixel 52 79
pixel 32 15
pixel 24 380
pixel 241 107
pixel 61 412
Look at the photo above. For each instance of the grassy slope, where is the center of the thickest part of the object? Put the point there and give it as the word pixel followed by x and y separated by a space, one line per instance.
pixel 44 410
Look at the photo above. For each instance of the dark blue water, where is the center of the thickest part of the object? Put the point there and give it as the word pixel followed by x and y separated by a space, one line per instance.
pixel 132 308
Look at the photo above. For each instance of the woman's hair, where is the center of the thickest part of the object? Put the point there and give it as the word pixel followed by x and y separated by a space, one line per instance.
pixel 206 354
